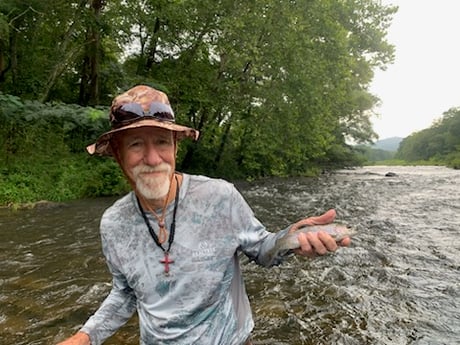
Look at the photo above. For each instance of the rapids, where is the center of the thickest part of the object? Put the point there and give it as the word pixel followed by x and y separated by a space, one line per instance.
pixel 398 282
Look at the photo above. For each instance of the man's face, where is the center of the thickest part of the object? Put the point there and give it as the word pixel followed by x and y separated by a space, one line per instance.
pixel 148 155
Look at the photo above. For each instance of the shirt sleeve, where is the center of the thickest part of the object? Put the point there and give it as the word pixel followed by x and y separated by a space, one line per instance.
pixel 117 308
pixel 255 241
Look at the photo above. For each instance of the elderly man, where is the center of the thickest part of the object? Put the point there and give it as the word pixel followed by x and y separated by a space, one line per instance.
pixel 172 243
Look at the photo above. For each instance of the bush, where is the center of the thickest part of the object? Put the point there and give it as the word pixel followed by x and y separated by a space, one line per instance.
pixel 42 153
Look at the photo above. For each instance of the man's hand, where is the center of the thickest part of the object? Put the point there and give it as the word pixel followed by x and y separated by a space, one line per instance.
pixel 318 243
pixel 79 338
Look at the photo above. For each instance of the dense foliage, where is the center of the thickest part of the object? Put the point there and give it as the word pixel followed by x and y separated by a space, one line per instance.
pixel 275 87
pixel 41 152
pixel 371 155
pixel 438 144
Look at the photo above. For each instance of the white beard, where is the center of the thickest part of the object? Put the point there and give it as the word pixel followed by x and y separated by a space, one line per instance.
pixel 152 187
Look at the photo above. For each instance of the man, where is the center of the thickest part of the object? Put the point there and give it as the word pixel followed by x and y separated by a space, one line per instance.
pixel 172 244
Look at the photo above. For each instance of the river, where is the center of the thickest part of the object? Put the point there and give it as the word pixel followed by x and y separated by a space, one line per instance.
pixel 398 282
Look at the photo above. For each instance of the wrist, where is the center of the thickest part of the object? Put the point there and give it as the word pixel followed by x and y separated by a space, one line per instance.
pixel 79 338
pixel 82 338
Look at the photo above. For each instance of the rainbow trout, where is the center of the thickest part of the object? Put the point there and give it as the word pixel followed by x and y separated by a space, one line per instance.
pixel 290 241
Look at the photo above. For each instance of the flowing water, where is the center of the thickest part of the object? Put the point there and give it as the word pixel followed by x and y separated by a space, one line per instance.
pixel 398 283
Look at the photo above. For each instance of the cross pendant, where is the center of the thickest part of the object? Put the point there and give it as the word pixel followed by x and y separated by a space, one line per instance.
pixel 166 261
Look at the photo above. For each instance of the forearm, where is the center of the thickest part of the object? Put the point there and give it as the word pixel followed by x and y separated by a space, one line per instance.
pixel 253 238
pixel 269 254
pixel 114 312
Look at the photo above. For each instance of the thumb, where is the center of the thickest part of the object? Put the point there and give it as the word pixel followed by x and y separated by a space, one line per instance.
pixel 325 218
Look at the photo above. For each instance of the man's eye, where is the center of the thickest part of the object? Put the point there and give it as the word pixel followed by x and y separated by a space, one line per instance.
pixel 163 141
pixel 135 143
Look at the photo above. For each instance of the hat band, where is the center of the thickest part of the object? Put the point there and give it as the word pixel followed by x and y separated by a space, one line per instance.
pixel 132 112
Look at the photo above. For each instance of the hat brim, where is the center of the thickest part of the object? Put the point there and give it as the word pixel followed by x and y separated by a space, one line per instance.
pixel 102 145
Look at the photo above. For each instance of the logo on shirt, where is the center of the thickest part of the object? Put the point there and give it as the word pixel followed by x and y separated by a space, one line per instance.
pixel 205 250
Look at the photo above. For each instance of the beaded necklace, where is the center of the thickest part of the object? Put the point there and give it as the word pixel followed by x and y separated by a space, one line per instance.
pixel 161 223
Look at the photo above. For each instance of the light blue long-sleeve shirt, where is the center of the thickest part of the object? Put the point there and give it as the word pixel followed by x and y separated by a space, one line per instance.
pixel 203 299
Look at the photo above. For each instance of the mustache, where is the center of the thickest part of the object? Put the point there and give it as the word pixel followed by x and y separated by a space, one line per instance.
pixel 163 167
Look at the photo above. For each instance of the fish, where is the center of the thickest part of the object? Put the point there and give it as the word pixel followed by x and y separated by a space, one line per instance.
pixel 336 230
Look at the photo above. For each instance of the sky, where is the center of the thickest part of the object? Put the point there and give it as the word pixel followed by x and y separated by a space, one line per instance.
pixel 424 80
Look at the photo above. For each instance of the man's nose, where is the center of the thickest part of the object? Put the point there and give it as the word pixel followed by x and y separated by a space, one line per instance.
pixel 151 155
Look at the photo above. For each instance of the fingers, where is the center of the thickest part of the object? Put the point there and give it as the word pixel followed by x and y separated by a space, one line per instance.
pixel 317 243
pixel 312 244
pixel 345 242
pixel 326 218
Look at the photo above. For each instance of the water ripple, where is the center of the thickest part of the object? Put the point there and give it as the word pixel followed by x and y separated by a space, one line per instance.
pixel 398 283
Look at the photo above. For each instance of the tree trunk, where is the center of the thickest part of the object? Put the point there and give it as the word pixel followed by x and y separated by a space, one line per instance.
pixel 4 61
pixel 14 56
pixel 68 51
pixel 152 48
pixel 223 143
pixel 89 84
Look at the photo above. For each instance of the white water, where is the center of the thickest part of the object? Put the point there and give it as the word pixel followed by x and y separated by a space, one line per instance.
pixel 398 283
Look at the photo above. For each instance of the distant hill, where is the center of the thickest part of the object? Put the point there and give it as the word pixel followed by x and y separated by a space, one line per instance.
pixel 388 144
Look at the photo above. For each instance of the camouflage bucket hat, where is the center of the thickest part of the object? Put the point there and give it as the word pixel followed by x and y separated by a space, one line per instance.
pixel 141 106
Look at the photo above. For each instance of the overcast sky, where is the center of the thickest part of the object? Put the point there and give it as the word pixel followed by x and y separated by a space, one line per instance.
pixel 424 80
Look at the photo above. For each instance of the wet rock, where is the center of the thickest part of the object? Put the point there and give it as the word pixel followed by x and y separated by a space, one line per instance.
pixel 390 174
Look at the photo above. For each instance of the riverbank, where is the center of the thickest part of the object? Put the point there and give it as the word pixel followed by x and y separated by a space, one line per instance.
pixel 40 205
pixel 101 179
pixel 49 181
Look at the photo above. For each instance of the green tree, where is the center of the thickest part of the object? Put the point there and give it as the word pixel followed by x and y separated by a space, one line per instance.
pixel 439 143
pixel 275 87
